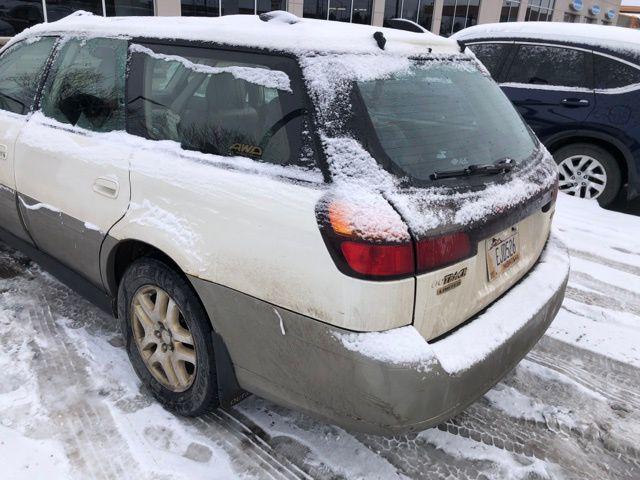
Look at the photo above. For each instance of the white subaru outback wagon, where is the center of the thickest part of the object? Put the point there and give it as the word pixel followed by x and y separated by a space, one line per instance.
pixel 348 220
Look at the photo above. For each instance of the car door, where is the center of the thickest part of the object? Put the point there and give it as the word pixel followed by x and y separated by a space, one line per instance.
pixel 72 167
pixel 552 86
pixel 21 68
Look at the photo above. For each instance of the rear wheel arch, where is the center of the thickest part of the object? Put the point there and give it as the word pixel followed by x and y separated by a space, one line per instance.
pixel 120 255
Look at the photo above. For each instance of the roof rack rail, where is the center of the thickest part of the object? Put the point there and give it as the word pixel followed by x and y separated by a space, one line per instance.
pixel 279 16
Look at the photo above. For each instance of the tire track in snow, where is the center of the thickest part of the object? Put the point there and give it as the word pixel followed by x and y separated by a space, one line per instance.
pixel 86 428
pixel 607 262
pixel 241 436
pixel 617 381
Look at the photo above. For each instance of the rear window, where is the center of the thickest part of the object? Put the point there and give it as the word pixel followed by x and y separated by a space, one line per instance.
pixel 610 73
pixel 441 116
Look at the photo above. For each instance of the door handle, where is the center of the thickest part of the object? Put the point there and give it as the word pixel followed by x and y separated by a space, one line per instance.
pixel 107 187
pixel 575 102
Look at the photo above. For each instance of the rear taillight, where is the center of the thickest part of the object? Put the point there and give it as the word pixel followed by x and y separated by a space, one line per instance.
pixel 383 250
pixel 438 252
pixel 376 260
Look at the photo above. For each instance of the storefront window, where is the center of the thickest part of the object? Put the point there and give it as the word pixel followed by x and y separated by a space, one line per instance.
pixel 212 8
pixel 509 11
pixel 356 11
pixel 419 11
pixel 340 10
pixel 540 10
pixel 362 12
pixel 457 15
pixel 200 8
pixel 121 8
pixel 57 9
pixel 18 15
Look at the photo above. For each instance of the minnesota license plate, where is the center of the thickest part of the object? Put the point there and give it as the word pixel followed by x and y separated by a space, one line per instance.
pixel 503 251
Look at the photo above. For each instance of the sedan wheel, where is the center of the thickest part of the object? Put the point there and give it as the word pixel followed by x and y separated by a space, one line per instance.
pixel 163 338
pixel 582 176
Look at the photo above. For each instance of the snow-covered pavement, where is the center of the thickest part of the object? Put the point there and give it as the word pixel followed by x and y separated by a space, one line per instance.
pixel 72 407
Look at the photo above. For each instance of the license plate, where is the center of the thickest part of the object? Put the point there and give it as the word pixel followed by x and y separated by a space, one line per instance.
pixel 503 251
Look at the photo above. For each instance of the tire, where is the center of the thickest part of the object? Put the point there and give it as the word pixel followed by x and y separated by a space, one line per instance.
pixel 568 159
pixel 144 281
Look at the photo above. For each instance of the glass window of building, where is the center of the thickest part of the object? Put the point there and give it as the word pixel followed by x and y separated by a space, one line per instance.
pixel 589 20
pixel 121 8
pixel 540 10
pixel 214 8
pixel 458 14
pixel 57 9
pixel 509 11
pixel 356 11
pixel 570 17
pixel 18 15
pixel 419 11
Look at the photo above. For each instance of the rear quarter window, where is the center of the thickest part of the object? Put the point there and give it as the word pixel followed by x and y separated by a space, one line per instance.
pixel 219 103
pixel 550 65
pixel 610 73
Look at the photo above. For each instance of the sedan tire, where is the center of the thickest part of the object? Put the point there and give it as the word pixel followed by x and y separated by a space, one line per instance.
pixel 588 171
pixel 168 337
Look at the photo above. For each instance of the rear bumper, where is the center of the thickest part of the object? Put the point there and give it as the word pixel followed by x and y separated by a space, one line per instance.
pixel 389 382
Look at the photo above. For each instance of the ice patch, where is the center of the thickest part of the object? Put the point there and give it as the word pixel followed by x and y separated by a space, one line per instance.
pixel 39 206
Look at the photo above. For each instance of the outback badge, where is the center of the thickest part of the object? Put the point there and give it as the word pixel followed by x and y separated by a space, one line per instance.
pixel 450 281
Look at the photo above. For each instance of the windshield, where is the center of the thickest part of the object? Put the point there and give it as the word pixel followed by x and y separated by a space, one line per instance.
pixel 440 116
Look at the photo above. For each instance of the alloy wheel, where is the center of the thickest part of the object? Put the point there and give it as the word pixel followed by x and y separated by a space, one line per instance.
pixel 582 176
pixel 163 338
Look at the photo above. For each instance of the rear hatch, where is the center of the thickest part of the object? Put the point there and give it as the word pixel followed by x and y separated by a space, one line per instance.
pixel 475 187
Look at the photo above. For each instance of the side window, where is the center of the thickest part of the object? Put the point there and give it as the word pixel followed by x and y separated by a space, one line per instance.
pixel 212 103
pixel 557 66
pixel 491 55
pixel 86 87
pixel 21 68
pixel 610 73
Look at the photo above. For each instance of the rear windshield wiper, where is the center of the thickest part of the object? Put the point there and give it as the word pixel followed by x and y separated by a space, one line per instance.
pixel 502 166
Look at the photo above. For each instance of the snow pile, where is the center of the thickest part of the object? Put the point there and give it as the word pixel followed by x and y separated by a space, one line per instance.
pixel 307 35
pixel 400 346
pixel 472 343
pixel 258 76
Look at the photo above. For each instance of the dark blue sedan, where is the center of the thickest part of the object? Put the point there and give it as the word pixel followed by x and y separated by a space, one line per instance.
pixel 578 88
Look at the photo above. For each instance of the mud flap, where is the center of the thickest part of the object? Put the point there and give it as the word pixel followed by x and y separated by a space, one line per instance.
pixel 229 392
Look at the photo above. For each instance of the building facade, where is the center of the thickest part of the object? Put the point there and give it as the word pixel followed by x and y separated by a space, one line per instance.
pixel 443 17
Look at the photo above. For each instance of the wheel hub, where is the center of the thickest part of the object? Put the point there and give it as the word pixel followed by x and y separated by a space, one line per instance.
pixel 582 176
pixel 163 339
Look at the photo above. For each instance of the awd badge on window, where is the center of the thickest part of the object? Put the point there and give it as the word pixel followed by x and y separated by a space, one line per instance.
pixel 450 281
pixel 245 149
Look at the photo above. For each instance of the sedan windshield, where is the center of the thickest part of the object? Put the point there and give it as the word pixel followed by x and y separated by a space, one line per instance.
pixel 444 115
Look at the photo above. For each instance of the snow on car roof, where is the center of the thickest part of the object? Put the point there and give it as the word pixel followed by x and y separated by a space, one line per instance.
pixel 604 36
pixel 303 36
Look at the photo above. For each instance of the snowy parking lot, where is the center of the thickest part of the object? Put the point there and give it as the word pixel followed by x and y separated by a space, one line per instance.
pixel 71 405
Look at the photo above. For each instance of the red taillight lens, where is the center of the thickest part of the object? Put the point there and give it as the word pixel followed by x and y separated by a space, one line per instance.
pixel 554 190
pixel 438 252
pixel 378 260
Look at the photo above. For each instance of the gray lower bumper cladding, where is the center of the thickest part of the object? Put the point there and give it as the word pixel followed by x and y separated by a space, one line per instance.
pixel 388 382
